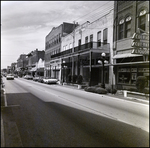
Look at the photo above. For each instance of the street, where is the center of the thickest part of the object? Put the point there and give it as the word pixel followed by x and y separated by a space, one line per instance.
pixel 53 115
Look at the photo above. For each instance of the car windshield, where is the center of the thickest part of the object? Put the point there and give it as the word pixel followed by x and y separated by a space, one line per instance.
pixel 10 75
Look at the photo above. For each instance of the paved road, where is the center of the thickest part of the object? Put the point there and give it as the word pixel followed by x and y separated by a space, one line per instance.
pixel 31 121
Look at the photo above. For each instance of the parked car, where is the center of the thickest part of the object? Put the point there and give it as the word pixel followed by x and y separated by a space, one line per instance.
pixel 28 77
pixel 16 76
pixel 10 77
pixel 2 83
pixel 50 80
pixel 35 78
pixel 41 79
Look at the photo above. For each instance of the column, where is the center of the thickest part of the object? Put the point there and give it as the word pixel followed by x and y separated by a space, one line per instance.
pixel 90 68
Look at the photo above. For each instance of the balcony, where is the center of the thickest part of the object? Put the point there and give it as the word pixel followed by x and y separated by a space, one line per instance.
pixel 91 45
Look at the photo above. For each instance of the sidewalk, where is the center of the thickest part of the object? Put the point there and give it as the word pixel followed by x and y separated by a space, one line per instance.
pixel 119 95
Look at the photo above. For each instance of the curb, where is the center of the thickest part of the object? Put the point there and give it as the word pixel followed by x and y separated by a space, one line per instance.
pixel 2 134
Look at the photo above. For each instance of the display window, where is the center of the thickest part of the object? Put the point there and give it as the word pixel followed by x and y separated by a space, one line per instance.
pixel 128 75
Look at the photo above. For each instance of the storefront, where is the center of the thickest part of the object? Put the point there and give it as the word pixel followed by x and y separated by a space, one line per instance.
pixel 128 69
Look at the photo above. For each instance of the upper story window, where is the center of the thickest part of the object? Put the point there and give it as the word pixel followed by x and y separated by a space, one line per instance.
pixel 99 38
pixel 70 45
pixel 64 48
pixel 128 27
pixel 91 38
pixel 142 20
pixel 86 39
pixel 121 32
pixel 105 31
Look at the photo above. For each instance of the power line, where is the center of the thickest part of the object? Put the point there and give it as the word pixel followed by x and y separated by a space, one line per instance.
pixel 91 12
pixel 97 13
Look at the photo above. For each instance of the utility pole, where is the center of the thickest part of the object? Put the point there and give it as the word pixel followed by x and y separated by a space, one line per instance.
pixel 73 49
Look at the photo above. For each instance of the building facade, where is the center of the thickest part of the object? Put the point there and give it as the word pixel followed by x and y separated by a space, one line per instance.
pixel 14 68
pixel 131 59
pixel 33 59
pixel 81 52
pixel 53 46
pixel 22 63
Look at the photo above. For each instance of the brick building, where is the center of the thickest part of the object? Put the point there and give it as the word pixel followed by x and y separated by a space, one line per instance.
pixel 33 59
pixel 53 46
pixel 130 17
pixel 21 64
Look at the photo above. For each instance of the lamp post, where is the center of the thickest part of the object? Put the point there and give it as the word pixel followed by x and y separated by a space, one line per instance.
pixel 63 66
pixel 102 61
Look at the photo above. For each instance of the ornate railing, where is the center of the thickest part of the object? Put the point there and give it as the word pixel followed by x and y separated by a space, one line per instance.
pixel 90 45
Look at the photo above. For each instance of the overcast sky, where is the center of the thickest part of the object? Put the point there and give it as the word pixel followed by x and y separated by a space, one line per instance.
pixel 25 24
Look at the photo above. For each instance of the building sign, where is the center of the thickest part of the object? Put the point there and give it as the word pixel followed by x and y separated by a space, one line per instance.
pixel 143 51
pixel 141 43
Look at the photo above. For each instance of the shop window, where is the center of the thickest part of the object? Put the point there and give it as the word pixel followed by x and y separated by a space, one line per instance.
pixel 128 27
pixel 105 36
pixel 124 75
pixel 142 20
pixel 99 39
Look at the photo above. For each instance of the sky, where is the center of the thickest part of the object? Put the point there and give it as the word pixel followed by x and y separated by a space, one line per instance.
pixel 25 24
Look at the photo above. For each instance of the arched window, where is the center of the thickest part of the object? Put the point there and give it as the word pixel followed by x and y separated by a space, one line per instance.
pixel 142 20
pixel 121 31
pixel 128 27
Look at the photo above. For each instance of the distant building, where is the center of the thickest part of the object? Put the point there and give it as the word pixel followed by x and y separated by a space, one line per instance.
pixel 21 65
pixel 53 47
pixel 8 69
pixel 13 68
pixel 33 59
pixel 130 17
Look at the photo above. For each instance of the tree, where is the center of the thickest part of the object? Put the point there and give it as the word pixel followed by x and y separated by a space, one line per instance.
pixel 141 83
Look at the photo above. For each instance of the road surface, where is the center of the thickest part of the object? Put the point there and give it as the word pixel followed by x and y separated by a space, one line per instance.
pixel 53 115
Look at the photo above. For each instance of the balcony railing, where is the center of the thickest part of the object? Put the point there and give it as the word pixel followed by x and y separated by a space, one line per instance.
pixel 90 45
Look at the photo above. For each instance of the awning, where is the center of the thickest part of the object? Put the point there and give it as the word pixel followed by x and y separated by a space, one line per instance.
pixel 126 55
pixel 132 63
pixel 33 69
pixel 40 70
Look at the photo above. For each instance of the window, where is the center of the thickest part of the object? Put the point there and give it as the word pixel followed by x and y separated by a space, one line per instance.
pixel 86 39
pixel 64 48
pixel 91 38
pixel 105 36
pixel 121 29
pixel 86 42
pixel 142 20
pixel 70 46
pixel 79 43
pixel 128 27
pixel 99 39
pixel 59 37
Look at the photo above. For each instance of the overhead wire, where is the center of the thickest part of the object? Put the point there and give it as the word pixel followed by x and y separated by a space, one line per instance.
pixel 90 12
pixel 98 14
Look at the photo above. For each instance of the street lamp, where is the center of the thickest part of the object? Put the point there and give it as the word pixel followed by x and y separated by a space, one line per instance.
pixel 102 61
pixel 63 66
